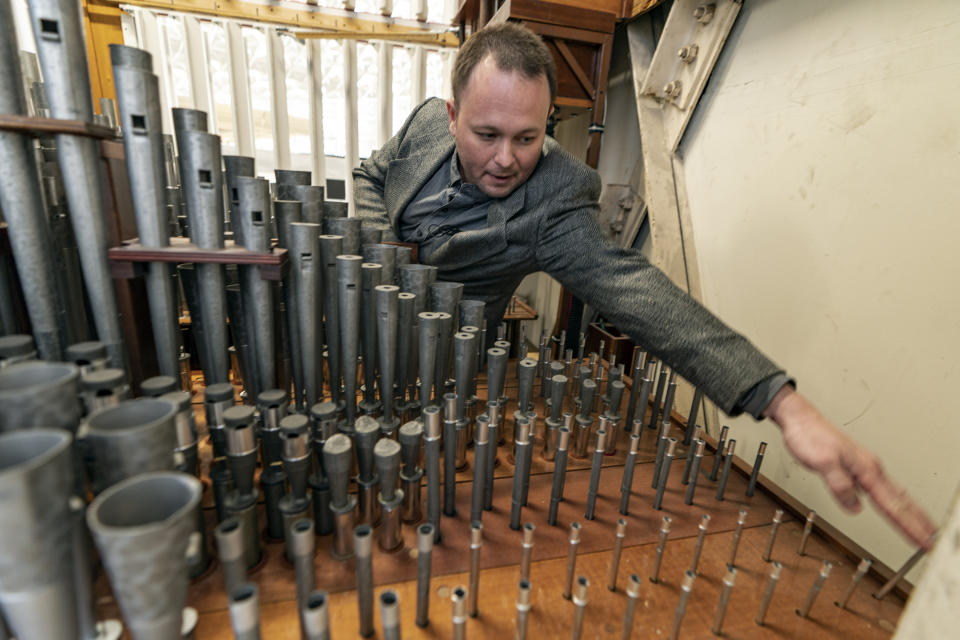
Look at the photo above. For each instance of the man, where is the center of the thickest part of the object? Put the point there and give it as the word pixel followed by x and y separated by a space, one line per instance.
pixel 489 199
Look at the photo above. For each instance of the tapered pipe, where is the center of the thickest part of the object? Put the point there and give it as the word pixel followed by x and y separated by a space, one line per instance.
pixel 521 444
pixel 701 537
pixel 559 471
pixel 772 580
pixel 862 570
pixel 804 611
pixel 368 482
pixel 315 617
pixel 444 354
pixel 629 465
pixel 595 469
pixel 252 214
pixel 406 357
pixel 348 294
pixel 465 367
pixel 579 606
pixel 337 460
pixel 755 472
pixel 459 600
pixel 363 546
pixel 431 444
pixel 425 535
pixel 496 371
pixel 685 588
pixel 574 544
pixel 661 546
pixel 727 463
pixel 131 438
pixel 429 330
pixel 234 167
pixel 633 594
pixel 241 340
pixel 21 200
pixel 139 105
pixel 718 453
pixel 721 612
pixel 526 369
pixel 370 277
pixel 481 447
pixel 241 446
pixel 331 246
pixel 390 615
pixel 306 344
pixel 476 545
pixel 387 328
pixel 415 279
pixel 386 455
pixel 272 405
pixel 40 394
pixel 185 454
pixel 691 454
pixel 217 398
pixel 658 398
pixel 59 35
pixel 662 441
pixel 229 537
pixel 688 436
pixel 411 474
pixel 635 384
pixel 777 519
pixel 142 527
pixel 615 555
pixel 245 612
pixel 36 475
pixel 902 571
pixel 493 429
pixel 664 473
pixel 523 608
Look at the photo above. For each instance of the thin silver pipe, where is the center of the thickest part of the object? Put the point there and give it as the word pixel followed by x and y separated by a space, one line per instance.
pixel 862 570
pixel 348 300
pixel 807 530
pixel 661 546
pixel 315 617
pixel 429 332
pixel 431 447
pixel 387 303
pixel 363 547
pixel 574 544
pixel 559 472
pixel 459 601
pixel 476 546
pixel 685 588
pixel 229 536
pixel 523 609
pixel 58 31
pixel 21 201
pixel 286 213
pixel 390 615
pixel 633 594
pixel 815 588
pixel 621 533
pixel 526 550
pixel 424 555
pixel 772 580
pixel 721 612
pixel 737 532
pixel 481 449
pixel 898 576
pixel 370 275
pixel 701 537
pixel 579 606
pixel 245 612
pixel 777 519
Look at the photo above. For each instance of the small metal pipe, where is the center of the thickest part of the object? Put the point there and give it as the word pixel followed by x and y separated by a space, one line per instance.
pixel 315 617
pixel 658 398
pixel 425 536
pixel 815 588
pixel 245 612
pixel 273 482
pixel 662 441
pixel 559 471
pixel 386 456
pixel 862 570
pixel 718 453
pixel 523 609
pixel 481 447
pixel 229 536
pixel 685 588
pixel 633 595
pixel 579 606
pixel 493 428
pixel 688 435
pixel 390 614
pixel 667 412
pixel 807 530
pixel 664 473
pixel 363 547
pixel 521 444
pixel 777 519
pixel 368 482
pixel 768 592
pixel 661 545
pixel 526 550
pixel 695 471
pixel 636 375
pixel 691 453
pixel 337 461
pixel 595 469
pixel 571 559
pixel 728 579
pixel 629 465
pixel 449 454
pixel 526 369
pixel 441 371
pixel 701 536
pixel 615 556
pixel 458 598
pixel 301 544
pixel 431 445
pixel 727 463
pixel 735 544
pixel 476 545
pixel 755 473
pixel 496 371
pixel 902 571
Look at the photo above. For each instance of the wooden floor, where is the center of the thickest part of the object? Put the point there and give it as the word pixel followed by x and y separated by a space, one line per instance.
pixel 551 615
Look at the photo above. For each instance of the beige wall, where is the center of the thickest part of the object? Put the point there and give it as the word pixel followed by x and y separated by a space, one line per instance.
pixel 823 174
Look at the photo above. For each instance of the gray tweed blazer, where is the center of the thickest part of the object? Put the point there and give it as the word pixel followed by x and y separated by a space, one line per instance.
pixel 549 224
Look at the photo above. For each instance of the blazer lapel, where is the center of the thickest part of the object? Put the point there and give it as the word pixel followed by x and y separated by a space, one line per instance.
pixel 406 176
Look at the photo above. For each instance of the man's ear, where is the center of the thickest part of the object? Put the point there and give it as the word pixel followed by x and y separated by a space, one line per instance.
pixel 452 115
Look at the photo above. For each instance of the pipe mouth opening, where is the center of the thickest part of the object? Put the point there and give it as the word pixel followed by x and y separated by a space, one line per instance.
pixel 132 414
pixel 243 593
pixel 459 593
pixel 388 598
pixel 316 600
pixel 583 581
pixel 425 529
pixel 576 526
pixel 29 449
pixel 301 526
pixel 363 531
pixel 23 375
pixel 145 500
pixel 229 526
pixel 529 526
pixel 524 584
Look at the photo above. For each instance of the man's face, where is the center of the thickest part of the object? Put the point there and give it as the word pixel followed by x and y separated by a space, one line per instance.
pixel 499 125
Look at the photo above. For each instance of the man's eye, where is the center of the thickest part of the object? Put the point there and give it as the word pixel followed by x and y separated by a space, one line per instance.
pixel 486 136
pixel 527 139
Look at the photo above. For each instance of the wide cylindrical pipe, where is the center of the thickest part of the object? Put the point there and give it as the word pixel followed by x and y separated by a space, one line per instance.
pixel 39 394
pixel 305 270
pixel 315 617
pixel 59 35
pixel 386 256
pixel 370 275
pixel 229 536
pixel 363 546
pixel 348 293
pixel 36 577
pixel 429 333
pixel 386 303
pixel 245 611
pixel 286 178
pixel 425 536
pixel 131 438
pixel 348 229
pixel 330 248
pixel 142 527
pixel 287 212
pixel 21 200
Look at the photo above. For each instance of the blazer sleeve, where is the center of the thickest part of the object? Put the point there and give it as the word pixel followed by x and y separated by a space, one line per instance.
pixel 641 300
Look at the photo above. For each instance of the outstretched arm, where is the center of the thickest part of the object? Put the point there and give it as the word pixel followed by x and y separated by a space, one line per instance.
pixel 845 466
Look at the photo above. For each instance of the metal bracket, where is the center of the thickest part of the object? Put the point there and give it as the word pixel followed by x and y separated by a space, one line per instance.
pixel 689 46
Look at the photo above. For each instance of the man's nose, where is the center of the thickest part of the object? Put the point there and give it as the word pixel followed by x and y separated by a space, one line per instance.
pixel 504 156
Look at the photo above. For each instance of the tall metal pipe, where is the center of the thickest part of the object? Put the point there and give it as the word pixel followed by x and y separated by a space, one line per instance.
pixel 386 256
pixel 234 167
pixel 330 247
pixel 431 446
pixel 286 213
pixel 429 330
pixel 138 100
pixel 286 178
pixel 58 31
pixel 21 200
pixel 406 372
pixel 348 229
pixel 36 577
pixel 143 527
pixel 411 474
pixel 348 294
pixel 387 328
pixel 425 535
pixel 415 279
pixel 305 272
pixel 370 277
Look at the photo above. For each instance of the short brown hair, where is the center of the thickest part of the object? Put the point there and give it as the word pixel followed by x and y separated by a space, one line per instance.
pixel 513 47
